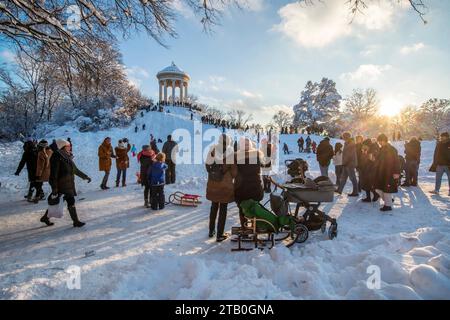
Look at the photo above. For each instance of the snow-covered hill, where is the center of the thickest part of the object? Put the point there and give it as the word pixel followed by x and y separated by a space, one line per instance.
pixel 128 252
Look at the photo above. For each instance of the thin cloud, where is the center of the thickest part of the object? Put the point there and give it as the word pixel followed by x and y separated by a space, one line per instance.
pixel 366 72
pixel 412 48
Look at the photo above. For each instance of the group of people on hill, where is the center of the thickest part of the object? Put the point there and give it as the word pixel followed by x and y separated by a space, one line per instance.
pixel 306 145
pixel 53 164
pixel 234 175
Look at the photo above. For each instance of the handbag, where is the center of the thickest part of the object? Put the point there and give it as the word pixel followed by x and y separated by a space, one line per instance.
pixel 55 206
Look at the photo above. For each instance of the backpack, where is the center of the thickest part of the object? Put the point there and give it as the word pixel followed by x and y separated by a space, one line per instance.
pixel 215 172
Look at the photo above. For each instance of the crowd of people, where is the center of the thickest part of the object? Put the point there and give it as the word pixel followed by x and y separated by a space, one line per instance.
pixel 55 164
pixel 372 165
pixel 375 167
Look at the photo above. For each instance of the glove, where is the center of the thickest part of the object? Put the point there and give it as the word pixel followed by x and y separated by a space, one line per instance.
pixel 88 180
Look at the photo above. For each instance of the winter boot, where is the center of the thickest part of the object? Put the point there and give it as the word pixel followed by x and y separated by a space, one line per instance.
pixel 73 214
pixel 146 203
pixel 376 196
pixel 211 234
pixel 222 237
pixel 117 184
pixel 46 220
pixel 386 208
pixel 367 198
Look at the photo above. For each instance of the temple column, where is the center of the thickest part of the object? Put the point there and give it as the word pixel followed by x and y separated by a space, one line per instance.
pixel 160 91
pixel 181 93
pixel 185 89
pixel 173 91
pixel 165 91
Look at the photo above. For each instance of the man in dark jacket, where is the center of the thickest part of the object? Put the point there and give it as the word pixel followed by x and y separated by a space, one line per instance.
pixel 412 158
pixel 324 155
pixel 301 143
pixel 62 180
pixel 170 149
pixel 350 162
pixel 441 162
pixel 29 158
pixel 387 172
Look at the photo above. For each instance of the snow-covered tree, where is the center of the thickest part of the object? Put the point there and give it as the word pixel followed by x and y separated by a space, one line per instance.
pixel 319 103
pixel 434 115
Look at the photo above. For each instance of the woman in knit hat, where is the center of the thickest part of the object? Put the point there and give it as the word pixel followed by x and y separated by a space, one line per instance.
pixel 62 180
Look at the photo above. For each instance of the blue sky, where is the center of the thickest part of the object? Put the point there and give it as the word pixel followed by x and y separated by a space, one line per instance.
pixel 260 58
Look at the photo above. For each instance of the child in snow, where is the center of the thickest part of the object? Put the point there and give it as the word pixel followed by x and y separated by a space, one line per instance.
pixel 133 150
pixel 314 146
pixel 156 174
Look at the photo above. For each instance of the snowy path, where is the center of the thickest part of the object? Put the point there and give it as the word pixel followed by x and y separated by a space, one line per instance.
pixel 166 255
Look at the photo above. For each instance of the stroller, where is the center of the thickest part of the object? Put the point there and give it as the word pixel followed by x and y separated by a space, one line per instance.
pixel 281 225
pixel 308 195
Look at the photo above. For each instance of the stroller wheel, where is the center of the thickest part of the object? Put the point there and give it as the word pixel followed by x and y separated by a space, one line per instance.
pixel 332 231
pixel 300 233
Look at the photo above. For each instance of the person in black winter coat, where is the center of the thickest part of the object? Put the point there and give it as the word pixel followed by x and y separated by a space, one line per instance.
pixel 412 158
pixel 248 183
pixel 29 158
pixel 145 158
pixel 324 155
pixel 387 172
pixel 441 162
pixel 367 168
pixel 170 148
pixel 62 180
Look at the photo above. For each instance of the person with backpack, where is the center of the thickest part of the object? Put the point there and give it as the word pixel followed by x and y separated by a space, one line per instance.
pixel 324 155
pixel 441 162
pixel 156 177
pixel 220 186
pixel 29 158
pixel 170 149
pixel 62 180
pixel 42 168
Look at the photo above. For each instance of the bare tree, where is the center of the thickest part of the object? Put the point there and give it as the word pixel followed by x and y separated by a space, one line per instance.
pixel 240 118
pixel 361 104
pixel 58 25
pixel 435 115
pixel 282 119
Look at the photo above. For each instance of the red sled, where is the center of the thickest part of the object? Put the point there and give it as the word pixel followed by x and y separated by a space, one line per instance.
pixel 184 199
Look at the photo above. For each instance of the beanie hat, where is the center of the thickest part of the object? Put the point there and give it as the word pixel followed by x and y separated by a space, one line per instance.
pixel 43 144
pixel 61 143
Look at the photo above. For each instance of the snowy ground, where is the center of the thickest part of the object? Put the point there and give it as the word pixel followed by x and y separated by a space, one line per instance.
pixel 140 254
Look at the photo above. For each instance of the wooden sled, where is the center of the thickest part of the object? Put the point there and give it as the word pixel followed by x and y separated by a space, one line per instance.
pixel 184 199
